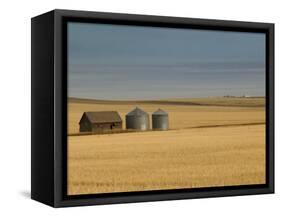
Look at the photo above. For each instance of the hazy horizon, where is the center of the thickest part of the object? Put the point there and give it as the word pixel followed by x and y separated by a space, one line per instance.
pixel 159 99
pixel 121 62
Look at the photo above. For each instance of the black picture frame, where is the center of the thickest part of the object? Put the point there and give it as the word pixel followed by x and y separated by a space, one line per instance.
pixel 49 100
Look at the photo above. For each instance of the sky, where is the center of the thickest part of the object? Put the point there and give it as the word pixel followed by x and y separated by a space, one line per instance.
pixel 136 62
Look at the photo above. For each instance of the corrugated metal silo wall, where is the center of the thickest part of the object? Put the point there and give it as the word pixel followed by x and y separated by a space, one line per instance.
pixel 137 122
pixel 160 122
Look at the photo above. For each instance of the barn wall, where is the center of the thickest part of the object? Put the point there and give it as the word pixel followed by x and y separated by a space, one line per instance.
pixel 117 125
pixel 100 127
pixel 85 125
pixel 106 126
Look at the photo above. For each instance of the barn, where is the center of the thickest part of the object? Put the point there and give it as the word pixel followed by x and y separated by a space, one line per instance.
pixel 100 121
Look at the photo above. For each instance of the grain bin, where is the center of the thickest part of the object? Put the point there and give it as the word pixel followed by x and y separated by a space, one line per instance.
pixel 137 120
pixel 160 120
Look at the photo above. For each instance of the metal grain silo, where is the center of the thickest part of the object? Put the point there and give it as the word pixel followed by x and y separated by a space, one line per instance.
pixel 160 120
pixel 137 120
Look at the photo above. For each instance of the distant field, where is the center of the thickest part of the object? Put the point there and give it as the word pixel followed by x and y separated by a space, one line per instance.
pixel 189 113
pixel 212 142
pixel 211 101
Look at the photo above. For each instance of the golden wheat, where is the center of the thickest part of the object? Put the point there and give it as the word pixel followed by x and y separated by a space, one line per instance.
pixel 178 158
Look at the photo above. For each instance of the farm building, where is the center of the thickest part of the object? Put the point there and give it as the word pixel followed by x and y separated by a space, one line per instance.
pixel 137 120
pixel 100 121
pixel 160 120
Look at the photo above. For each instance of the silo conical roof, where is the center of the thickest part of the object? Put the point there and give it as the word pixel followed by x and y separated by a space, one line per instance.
pixel 137 112
pixel 160 112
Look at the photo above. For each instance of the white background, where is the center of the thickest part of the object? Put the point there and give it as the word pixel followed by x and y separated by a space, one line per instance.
pixel 15 106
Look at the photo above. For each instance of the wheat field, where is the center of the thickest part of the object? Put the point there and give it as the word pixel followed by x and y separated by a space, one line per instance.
pixel 211 143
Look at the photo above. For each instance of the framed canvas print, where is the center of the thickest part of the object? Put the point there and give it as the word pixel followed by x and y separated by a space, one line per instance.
pixel 134 108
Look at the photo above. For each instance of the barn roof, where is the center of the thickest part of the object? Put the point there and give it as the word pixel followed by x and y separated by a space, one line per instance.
pixel 102 117
pixel 160 112
pixel 137 112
